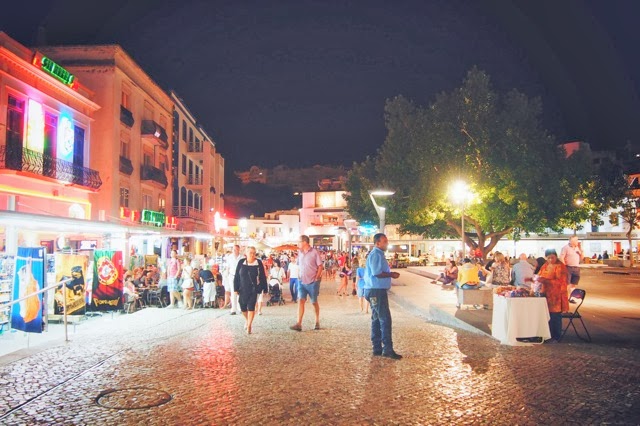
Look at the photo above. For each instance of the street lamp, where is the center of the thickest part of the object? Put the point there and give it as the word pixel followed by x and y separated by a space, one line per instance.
pixel 379 209
pixel 461 194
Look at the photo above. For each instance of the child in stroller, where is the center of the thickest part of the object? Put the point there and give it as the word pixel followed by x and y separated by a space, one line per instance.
pixel 275 292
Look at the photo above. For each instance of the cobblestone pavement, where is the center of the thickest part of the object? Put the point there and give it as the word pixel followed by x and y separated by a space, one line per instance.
pixel 217 374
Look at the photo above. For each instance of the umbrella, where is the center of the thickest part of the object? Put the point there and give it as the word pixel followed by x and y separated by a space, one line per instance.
pixel 286 247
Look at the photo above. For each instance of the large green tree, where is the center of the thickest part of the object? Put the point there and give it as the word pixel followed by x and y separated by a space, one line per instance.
pixel 518 175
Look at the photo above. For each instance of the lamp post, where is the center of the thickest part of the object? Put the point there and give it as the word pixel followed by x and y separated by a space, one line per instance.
pixel 379 209
pixel 578 202
pixel 461 194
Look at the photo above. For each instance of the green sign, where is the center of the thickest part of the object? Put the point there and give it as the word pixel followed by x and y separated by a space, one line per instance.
pixel 153 217
pixel 56 70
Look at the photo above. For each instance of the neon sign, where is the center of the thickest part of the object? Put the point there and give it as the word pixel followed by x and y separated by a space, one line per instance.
pixel 65 139
pixel 54 69
pixel 153 217
pixel 35 126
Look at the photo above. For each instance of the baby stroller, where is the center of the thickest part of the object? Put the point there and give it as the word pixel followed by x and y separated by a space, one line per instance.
pixel 275 292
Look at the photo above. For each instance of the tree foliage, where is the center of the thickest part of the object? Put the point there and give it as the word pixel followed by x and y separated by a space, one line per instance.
pixel 495 143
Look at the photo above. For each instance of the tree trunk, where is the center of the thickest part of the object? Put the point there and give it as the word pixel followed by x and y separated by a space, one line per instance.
pixel 630 249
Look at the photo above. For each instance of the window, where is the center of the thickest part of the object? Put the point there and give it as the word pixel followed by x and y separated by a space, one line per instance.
pixel 148 111
pixel 15 133
pixel 124 197
pixel 198 147
pixel 147 202
pixel 78 146
pixel 183 196
pixel 124 145
pixel 190 135
pixel 184 130
pixel 184 164
pixel 190 169
pixel 163 163
pixel 190 198
pixel 163 122
pixel 161 203
pixel 147 158
pixel 125 100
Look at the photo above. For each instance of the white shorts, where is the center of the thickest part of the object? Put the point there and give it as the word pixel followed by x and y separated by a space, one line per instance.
pixel 209 292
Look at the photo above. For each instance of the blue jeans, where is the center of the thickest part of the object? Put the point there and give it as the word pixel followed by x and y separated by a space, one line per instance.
pixel 467 286
pixel 293 288
pixel 555 325
pixel 380 319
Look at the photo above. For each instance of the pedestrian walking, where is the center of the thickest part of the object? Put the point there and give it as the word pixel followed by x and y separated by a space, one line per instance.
pixel 377 276
pixel 173 276
pixel 294 271
pixel 571 255
pixel 310 265
pixel 231 264
pixel 249 281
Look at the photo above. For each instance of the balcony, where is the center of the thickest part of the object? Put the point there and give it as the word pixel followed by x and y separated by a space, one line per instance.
pixel 194 180
pixel 189 212
pixel 150 128
pixel 26 160
pixel 125 166
pixel 126 117
pixel 195 147
pixel 153 174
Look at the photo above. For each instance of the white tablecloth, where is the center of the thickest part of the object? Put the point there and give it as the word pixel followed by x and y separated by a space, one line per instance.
pixel 519 317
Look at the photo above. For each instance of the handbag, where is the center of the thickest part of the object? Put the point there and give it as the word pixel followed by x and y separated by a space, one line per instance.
pixel 187 283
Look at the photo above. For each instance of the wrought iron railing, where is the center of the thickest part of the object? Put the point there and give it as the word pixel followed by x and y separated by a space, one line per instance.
pixel 126 116
pixel 27 160
pixel 150 127
pixel 187 212
pixel 154 174
pixel 125 166
pixel 195 147
pixel 194 180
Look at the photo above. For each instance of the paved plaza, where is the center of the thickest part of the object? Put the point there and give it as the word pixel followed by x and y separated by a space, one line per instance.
pixel 202 368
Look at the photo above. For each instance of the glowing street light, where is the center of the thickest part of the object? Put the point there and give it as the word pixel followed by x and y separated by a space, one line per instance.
pixel 460 194
pixel 379 209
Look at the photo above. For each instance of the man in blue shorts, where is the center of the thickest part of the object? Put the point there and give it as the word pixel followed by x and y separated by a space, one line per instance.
pixel 377 282
pixel 309 275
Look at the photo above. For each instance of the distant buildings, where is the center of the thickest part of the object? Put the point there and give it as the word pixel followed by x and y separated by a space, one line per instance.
pixel 300 179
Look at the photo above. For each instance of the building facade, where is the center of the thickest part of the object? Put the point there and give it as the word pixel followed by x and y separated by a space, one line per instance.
pixel 198 173
pixel 47 155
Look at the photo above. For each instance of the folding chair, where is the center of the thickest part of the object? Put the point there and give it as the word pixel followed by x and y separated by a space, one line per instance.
pixel 577 295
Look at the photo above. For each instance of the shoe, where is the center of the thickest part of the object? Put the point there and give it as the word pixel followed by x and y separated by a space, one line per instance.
pixel 551 341
pixel 296 327
pixel 317 327
pixel 260 313
pixel 377 353
pixel 232 313
pixel 572 301
pixel 391 355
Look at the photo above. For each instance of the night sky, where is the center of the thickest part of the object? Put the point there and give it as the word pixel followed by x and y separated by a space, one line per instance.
pixel 304 82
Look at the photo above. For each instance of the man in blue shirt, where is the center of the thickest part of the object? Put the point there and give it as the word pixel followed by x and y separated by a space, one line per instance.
pixel 377 282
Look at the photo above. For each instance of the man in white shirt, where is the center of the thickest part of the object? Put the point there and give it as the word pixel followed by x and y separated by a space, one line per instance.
pixel 231 262
pixel 571 255
pixel 522 272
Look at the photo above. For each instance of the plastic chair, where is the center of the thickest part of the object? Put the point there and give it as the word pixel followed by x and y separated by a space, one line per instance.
pixel 577 295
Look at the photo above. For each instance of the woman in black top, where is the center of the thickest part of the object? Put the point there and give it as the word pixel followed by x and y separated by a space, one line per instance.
pixel 249 280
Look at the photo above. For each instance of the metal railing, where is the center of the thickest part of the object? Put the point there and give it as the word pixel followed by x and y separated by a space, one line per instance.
pixel 194 180
pixel 195 147
pixel 27 160
pixel 52 286
pixel 187 212
pixel 153 173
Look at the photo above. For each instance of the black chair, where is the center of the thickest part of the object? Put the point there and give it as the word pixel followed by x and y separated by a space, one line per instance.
pixel 577 295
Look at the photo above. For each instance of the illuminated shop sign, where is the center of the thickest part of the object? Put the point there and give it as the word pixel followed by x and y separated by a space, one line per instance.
pixel 65 139
pixel 153 217
pixel 35 126
pixel 132 215
pixel 54 69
